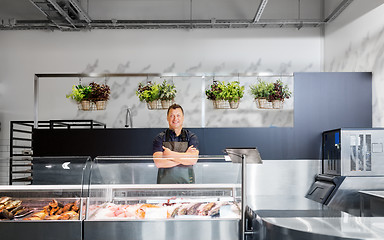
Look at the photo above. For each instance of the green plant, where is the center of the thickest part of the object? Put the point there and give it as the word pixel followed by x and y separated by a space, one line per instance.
pixel 167 91
pixel 279 91
pixel 216 91
pixel 80 92
pixel 149 92
pixel 262 89
pixel 233 91
pixel 270 91
pixel 99 92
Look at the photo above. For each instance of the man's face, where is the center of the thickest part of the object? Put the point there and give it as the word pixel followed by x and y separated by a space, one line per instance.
pixel 175 118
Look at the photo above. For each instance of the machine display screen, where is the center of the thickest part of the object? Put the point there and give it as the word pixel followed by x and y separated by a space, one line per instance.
pixel 337 138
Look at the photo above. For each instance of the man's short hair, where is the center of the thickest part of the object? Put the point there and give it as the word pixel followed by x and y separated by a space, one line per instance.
pixel 175 106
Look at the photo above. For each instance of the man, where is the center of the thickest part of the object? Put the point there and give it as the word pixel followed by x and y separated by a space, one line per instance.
pixel 175 150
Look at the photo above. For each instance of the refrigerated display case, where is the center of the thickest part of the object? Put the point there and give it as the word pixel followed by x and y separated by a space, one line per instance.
pixel 46 211
pixel 118 209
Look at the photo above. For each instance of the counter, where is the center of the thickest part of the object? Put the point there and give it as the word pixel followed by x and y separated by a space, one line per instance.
pixel 277 208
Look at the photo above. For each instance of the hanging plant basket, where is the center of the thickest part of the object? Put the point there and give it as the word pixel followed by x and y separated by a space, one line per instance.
pixel 277 104
pixel 91 97
pixel 85 105
pixel 263 103
pixel 165 104
pixel 153 105
pixel 234 104
pixel 100 105
pixel 220 104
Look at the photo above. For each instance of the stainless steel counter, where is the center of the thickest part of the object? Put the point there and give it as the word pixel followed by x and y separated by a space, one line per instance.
pixel 301 218
pixel 281 211
pixel 372 203
pixel 344 227
pixel 378 194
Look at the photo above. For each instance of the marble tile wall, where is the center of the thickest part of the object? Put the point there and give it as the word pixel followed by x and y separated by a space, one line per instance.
pixel 359 47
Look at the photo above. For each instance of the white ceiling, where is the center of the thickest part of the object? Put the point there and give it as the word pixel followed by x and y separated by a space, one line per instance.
pixel 22 14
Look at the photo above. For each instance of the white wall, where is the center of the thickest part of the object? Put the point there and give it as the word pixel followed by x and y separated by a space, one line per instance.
pixel 24 53
pixel 355 43
pixel 243 50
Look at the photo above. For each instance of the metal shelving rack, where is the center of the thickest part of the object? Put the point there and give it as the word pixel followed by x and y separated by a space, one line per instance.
pixel 21 152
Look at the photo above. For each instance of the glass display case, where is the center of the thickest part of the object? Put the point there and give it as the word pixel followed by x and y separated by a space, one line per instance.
pixel 125 201
pixel 53 207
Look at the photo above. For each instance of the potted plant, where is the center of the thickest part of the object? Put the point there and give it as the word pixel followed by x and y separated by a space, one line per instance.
pixel 81 94
pixel 261 92
pixel 167 94
pixel 270 95
pixel 278 94
pixel 149 93
pixel 100 94
pixel 234 92
pixel 216 93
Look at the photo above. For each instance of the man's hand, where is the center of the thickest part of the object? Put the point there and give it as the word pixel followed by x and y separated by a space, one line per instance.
pixel 168 152
pixel 191 150
pixel 169 158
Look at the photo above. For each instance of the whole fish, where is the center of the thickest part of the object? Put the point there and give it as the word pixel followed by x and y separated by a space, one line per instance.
pixel 5 214
pixel 207 208
pixel 4 199
pixel 12 204
pixel 193 210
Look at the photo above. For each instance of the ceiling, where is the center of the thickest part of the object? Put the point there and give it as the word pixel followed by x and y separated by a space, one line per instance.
pixel 76 15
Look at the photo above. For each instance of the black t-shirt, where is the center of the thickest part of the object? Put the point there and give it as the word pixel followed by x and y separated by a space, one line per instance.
pixel 160 138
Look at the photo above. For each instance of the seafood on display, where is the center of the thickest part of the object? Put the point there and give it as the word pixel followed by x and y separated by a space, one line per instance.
pixel 11 208
pixel 161 211
pixel 57 211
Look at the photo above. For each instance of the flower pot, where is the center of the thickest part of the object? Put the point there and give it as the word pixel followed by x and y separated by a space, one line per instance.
pixel 152 105
pixel 165 104
pixel 100 105
pixel 277 104
pixel 234 104
pixel 262 103
pixel 85 105
pixel 219 104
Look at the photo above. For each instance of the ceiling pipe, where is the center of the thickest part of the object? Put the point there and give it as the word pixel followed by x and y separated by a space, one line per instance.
pixel 88 24
pixel 159 24
pixel 338 10
pixel 260 10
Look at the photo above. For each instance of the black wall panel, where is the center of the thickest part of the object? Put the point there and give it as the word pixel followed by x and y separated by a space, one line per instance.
pixel 322 101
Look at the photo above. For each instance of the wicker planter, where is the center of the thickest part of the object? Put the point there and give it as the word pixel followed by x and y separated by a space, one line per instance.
pixel 100 105
pixel 165 104
pixel 152 105
pixel 220 104
pixel 277 104
pixel 234 104
pixel 262 103
pixel 85 105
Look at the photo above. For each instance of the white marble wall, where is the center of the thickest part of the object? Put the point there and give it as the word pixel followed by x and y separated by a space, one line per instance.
pixel 25 53
pixel 357 45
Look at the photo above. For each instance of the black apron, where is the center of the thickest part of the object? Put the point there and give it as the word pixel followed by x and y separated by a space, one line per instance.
pixel 180 174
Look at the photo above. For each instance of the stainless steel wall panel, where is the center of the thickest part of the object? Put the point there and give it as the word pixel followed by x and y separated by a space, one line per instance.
pixel 211 229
